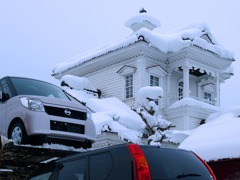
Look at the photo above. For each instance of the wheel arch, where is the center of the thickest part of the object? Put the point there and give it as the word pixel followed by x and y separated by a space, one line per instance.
pixel 14 121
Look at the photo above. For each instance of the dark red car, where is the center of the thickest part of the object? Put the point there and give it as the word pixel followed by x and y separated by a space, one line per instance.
pixel 128 162
pixel 226 169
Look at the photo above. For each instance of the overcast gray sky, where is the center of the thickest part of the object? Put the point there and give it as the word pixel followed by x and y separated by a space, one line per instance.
pixel 37 35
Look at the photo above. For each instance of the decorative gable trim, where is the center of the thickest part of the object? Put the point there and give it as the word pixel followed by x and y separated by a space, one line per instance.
pixel 207 38
pixel 157 70
pixel 126 69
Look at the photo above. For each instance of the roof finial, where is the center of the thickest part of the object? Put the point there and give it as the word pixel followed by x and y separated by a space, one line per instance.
pixel 142 10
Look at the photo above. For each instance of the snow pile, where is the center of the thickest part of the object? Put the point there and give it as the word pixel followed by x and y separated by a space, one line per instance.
pixel 112 115
pixel 75 86
pixel 149 92
pixel 166 43
pixel 108 114
pixel 218 138
pixel 118 110
pixel 57 147
pixel 78 83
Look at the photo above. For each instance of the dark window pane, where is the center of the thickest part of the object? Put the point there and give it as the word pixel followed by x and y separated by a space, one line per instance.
pixel 180 90
pixel 100 166
pixel 73 170
pixel 208 96
pixel 5 88
pixel 154 81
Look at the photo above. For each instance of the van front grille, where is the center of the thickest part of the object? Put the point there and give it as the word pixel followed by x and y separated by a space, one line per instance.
pixel 65 112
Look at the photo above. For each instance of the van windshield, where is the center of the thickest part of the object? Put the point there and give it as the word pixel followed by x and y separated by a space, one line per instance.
pixel 24 86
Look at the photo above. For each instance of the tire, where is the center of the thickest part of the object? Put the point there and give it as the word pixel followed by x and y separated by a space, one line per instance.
pixel 18 134
pixel 87 144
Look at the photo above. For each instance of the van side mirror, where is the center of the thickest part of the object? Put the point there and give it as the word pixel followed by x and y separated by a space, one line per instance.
pixel 3 96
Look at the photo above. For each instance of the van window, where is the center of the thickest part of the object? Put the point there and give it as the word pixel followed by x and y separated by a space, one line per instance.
pixel 24 86
pixel 5 88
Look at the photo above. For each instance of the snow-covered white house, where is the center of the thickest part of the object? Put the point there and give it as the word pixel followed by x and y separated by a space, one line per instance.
pixel 189 64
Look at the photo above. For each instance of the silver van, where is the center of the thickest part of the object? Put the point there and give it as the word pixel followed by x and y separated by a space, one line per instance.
pixel 34 112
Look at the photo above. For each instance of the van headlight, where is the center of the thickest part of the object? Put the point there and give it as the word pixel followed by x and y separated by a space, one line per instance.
pixel 33 104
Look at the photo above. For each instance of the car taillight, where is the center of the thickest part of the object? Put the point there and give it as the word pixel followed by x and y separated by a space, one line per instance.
pixel 207 166
pixel 140 165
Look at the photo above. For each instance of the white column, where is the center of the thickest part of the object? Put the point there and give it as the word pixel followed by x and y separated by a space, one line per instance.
pixel 186 123
pixel 199 93
pixel 217 89
pixel 168 94
pixel 141 73
pixel 186 80
pixel 141 76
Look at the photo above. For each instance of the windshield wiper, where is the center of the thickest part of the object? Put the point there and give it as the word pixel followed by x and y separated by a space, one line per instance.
pixel 187 175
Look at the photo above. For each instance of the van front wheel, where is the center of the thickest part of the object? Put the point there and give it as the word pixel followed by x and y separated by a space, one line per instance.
pixel 18 134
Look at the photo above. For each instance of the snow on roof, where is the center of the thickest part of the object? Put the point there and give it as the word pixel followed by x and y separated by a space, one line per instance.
pixel 169 42
pixel 228 70
pixel 141 20
pixel 193 102
pixel 75 61
pixel 218 138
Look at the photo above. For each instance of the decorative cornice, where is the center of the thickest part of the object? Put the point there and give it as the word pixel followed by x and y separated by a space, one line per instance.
pixel 199 56
pixel 133 51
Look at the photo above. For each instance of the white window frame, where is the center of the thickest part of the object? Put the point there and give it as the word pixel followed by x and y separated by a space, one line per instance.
pixel 208 92
pixel 180 89
pixel 129 86
pixel 154 80
pixel 208 96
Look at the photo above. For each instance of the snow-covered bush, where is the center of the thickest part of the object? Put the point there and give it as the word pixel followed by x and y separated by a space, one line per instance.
pixel 157 128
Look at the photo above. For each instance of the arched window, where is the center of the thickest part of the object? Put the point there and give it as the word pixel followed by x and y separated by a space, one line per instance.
pixel 208 91
pixel 180 89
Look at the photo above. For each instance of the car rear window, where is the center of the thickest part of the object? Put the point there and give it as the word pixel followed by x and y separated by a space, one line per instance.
pixel 97 169
pixel 174 164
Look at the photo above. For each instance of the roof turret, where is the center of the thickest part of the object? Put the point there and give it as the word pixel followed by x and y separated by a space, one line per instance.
pixel 142 20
